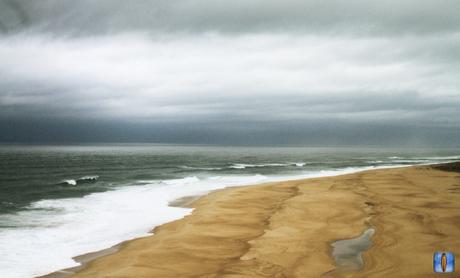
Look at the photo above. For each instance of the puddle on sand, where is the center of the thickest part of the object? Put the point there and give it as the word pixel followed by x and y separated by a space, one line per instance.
pixel 347 252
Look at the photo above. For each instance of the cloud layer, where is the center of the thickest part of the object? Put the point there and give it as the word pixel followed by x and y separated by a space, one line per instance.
pixel 389 17
pixel 233 67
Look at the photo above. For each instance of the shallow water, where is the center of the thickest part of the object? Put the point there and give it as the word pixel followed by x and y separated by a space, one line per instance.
pixel 347 253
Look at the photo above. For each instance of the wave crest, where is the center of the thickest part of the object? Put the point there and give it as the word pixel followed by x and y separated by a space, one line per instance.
pixel 84 179
pixel 244 166
pixel 69 182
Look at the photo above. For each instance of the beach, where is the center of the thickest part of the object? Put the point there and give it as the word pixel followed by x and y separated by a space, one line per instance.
pixel 209 138
pixel 287 229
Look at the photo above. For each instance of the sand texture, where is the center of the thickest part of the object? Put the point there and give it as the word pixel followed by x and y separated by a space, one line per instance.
pixel 286 229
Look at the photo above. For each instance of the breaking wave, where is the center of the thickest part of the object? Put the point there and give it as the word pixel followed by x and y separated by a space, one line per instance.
pixel 244 166
pixel 85 179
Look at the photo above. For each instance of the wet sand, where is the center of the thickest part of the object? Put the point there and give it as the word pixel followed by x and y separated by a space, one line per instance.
pixel 83 260
pixel 286 229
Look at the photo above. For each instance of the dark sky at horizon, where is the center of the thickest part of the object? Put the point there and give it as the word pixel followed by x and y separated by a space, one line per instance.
pixel 231 72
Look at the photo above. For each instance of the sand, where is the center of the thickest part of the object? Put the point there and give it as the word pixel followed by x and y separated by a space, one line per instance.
pixel 286 229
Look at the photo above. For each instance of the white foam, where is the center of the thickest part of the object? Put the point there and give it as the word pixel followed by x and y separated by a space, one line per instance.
pixel 46 237
pixel 84 179
pixel 244 166
pixel 414 161
pixel 70 182
pixel 200 168
pixel 447 158
pixel 239 166
pixel 88 178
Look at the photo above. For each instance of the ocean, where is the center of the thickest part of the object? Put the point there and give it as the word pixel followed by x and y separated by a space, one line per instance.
pixel 57 202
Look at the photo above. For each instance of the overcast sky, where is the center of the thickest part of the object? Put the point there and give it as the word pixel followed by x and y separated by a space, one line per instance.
pixel 234 72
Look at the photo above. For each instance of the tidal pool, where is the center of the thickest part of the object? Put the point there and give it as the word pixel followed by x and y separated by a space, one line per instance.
pixel 347 252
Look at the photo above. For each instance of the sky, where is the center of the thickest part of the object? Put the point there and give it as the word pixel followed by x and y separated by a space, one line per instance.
pixel 231 72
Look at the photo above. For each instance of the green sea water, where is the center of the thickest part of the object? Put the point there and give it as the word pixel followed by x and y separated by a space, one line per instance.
pixel 31 173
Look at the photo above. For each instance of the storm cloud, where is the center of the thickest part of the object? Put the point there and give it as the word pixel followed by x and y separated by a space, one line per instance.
pixel 238 16
pixel 295 72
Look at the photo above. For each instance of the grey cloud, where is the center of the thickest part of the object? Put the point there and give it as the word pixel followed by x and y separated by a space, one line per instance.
pixel 256 78
pixel 294 72
pixel 332 16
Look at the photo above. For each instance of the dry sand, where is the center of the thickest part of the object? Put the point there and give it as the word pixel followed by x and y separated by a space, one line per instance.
pixel 286 229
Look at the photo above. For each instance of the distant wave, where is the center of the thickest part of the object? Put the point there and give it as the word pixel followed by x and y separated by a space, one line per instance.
pixel 201 168
pixel 420 160
pixel 85 179
pixel 69 182
pixel 410 161
pixel 244 166
pixel 424 160
pixel 453 157
pixel 376 161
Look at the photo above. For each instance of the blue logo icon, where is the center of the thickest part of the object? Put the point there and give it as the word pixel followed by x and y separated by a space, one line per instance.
pixel 443 262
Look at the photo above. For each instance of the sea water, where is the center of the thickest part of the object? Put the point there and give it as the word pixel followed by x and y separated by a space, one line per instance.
pixel 57 202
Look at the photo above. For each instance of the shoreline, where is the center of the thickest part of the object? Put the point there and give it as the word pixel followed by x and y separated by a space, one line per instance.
pixel 187 202
pixel 85 259
pixel 89 260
